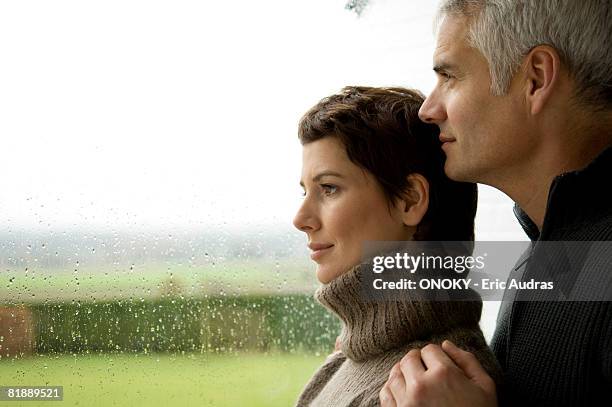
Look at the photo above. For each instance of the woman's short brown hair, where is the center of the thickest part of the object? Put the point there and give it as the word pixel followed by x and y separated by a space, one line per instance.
pixel 382 133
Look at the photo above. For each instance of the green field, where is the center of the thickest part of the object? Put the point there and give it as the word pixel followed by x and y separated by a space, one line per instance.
pixel 155 280
pixel 165 380
pixel 218 306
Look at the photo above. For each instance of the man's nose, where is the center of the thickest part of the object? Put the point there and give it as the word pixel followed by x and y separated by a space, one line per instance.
pixel 432 110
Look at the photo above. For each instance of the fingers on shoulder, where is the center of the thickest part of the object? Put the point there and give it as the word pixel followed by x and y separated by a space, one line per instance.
pixel 386 397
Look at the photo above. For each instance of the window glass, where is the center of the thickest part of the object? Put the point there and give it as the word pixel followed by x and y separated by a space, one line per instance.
pixel 150 174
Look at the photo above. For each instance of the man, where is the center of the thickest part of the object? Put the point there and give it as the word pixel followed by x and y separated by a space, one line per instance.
pixel 524 103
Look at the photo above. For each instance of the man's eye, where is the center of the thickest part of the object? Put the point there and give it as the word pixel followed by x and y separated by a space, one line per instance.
pixel 329 189
pixel 445 76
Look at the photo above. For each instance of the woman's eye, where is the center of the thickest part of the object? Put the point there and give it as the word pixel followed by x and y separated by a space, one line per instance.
pixel 329 189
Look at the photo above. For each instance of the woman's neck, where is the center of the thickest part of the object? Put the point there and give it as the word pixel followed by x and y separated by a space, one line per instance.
pixel 371 327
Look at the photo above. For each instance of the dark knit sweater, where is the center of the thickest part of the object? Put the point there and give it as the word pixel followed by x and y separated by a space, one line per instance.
pixel 560 353
pixel 377 334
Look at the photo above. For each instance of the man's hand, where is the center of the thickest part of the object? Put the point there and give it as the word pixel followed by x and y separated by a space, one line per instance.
pixel 438 376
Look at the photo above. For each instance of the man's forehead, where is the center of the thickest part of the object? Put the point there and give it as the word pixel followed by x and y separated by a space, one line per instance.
pixel 452 32
pixel 451 38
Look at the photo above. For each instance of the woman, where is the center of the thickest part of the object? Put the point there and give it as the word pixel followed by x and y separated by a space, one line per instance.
pixel 372 171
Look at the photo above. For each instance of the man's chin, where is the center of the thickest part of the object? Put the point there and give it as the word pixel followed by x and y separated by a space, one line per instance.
pixel 455 172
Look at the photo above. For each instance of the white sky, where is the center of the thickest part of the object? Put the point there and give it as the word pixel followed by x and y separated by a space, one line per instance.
pixel 153 114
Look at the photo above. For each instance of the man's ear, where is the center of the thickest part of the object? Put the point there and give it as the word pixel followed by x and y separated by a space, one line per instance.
pixel 415 200
pixel 542 68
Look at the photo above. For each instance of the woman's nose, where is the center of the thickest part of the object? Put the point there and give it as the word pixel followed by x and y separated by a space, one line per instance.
pixel 305 220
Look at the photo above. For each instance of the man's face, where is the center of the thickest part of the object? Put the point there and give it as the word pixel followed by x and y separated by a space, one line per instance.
pixel 483 135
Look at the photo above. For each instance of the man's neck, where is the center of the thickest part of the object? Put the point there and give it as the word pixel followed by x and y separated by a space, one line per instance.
pixel 529 187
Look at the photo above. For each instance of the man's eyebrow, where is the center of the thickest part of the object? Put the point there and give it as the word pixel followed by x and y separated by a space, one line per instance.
pixel 443 67
pixel 322 174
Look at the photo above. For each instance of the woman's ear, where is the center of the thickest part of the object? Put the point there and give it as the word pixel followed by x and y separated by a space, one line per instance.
pixel 415 200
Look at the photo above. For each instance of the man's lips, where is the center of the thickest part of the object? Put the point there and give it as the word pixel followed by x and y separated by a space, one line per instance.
pixel 446 139
pixel 319 249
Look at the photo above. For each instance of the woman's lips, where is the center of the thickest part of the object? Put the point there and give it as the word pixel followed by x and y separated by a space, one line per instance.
pixel 319 250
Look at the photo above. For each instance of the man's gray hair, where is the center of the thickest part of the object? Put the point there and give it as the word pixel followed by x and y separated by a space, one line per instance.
pixel 504 31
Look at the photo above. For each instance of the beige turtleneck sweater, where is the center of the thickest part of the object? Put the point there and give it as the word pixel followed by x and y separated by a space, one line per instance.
pixel 376 335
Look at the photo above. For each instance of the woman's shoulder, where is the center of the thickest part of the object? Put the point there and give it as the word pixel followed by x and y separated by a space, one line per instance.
pixel 321 377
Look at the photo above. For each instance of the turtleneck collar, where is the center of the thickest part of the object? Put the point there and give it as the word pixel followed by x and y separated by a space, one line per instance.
pixel 371 328
pixel 574 197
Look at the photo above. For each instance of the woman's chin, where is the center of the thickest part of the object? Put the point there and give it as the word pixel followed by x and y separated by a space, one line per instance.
pixel 326 274
pixel 322 277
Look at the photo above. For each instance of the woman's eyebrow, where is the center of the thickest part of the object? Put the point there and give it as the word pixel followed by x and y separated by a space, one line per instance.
pixel 326 174
pixel 322 174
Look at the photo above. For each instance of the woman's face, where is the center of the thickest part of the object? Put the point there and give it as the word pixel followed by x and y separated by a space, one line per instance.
pixel 343 206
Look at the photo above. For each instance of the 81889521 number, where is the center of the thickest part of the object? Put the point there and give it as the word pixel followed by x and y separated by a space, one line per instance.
pixel 39 393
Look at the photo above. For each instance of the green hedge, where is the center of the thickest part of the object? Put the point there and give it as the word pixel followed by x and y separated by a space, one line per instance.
pixel 221 324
